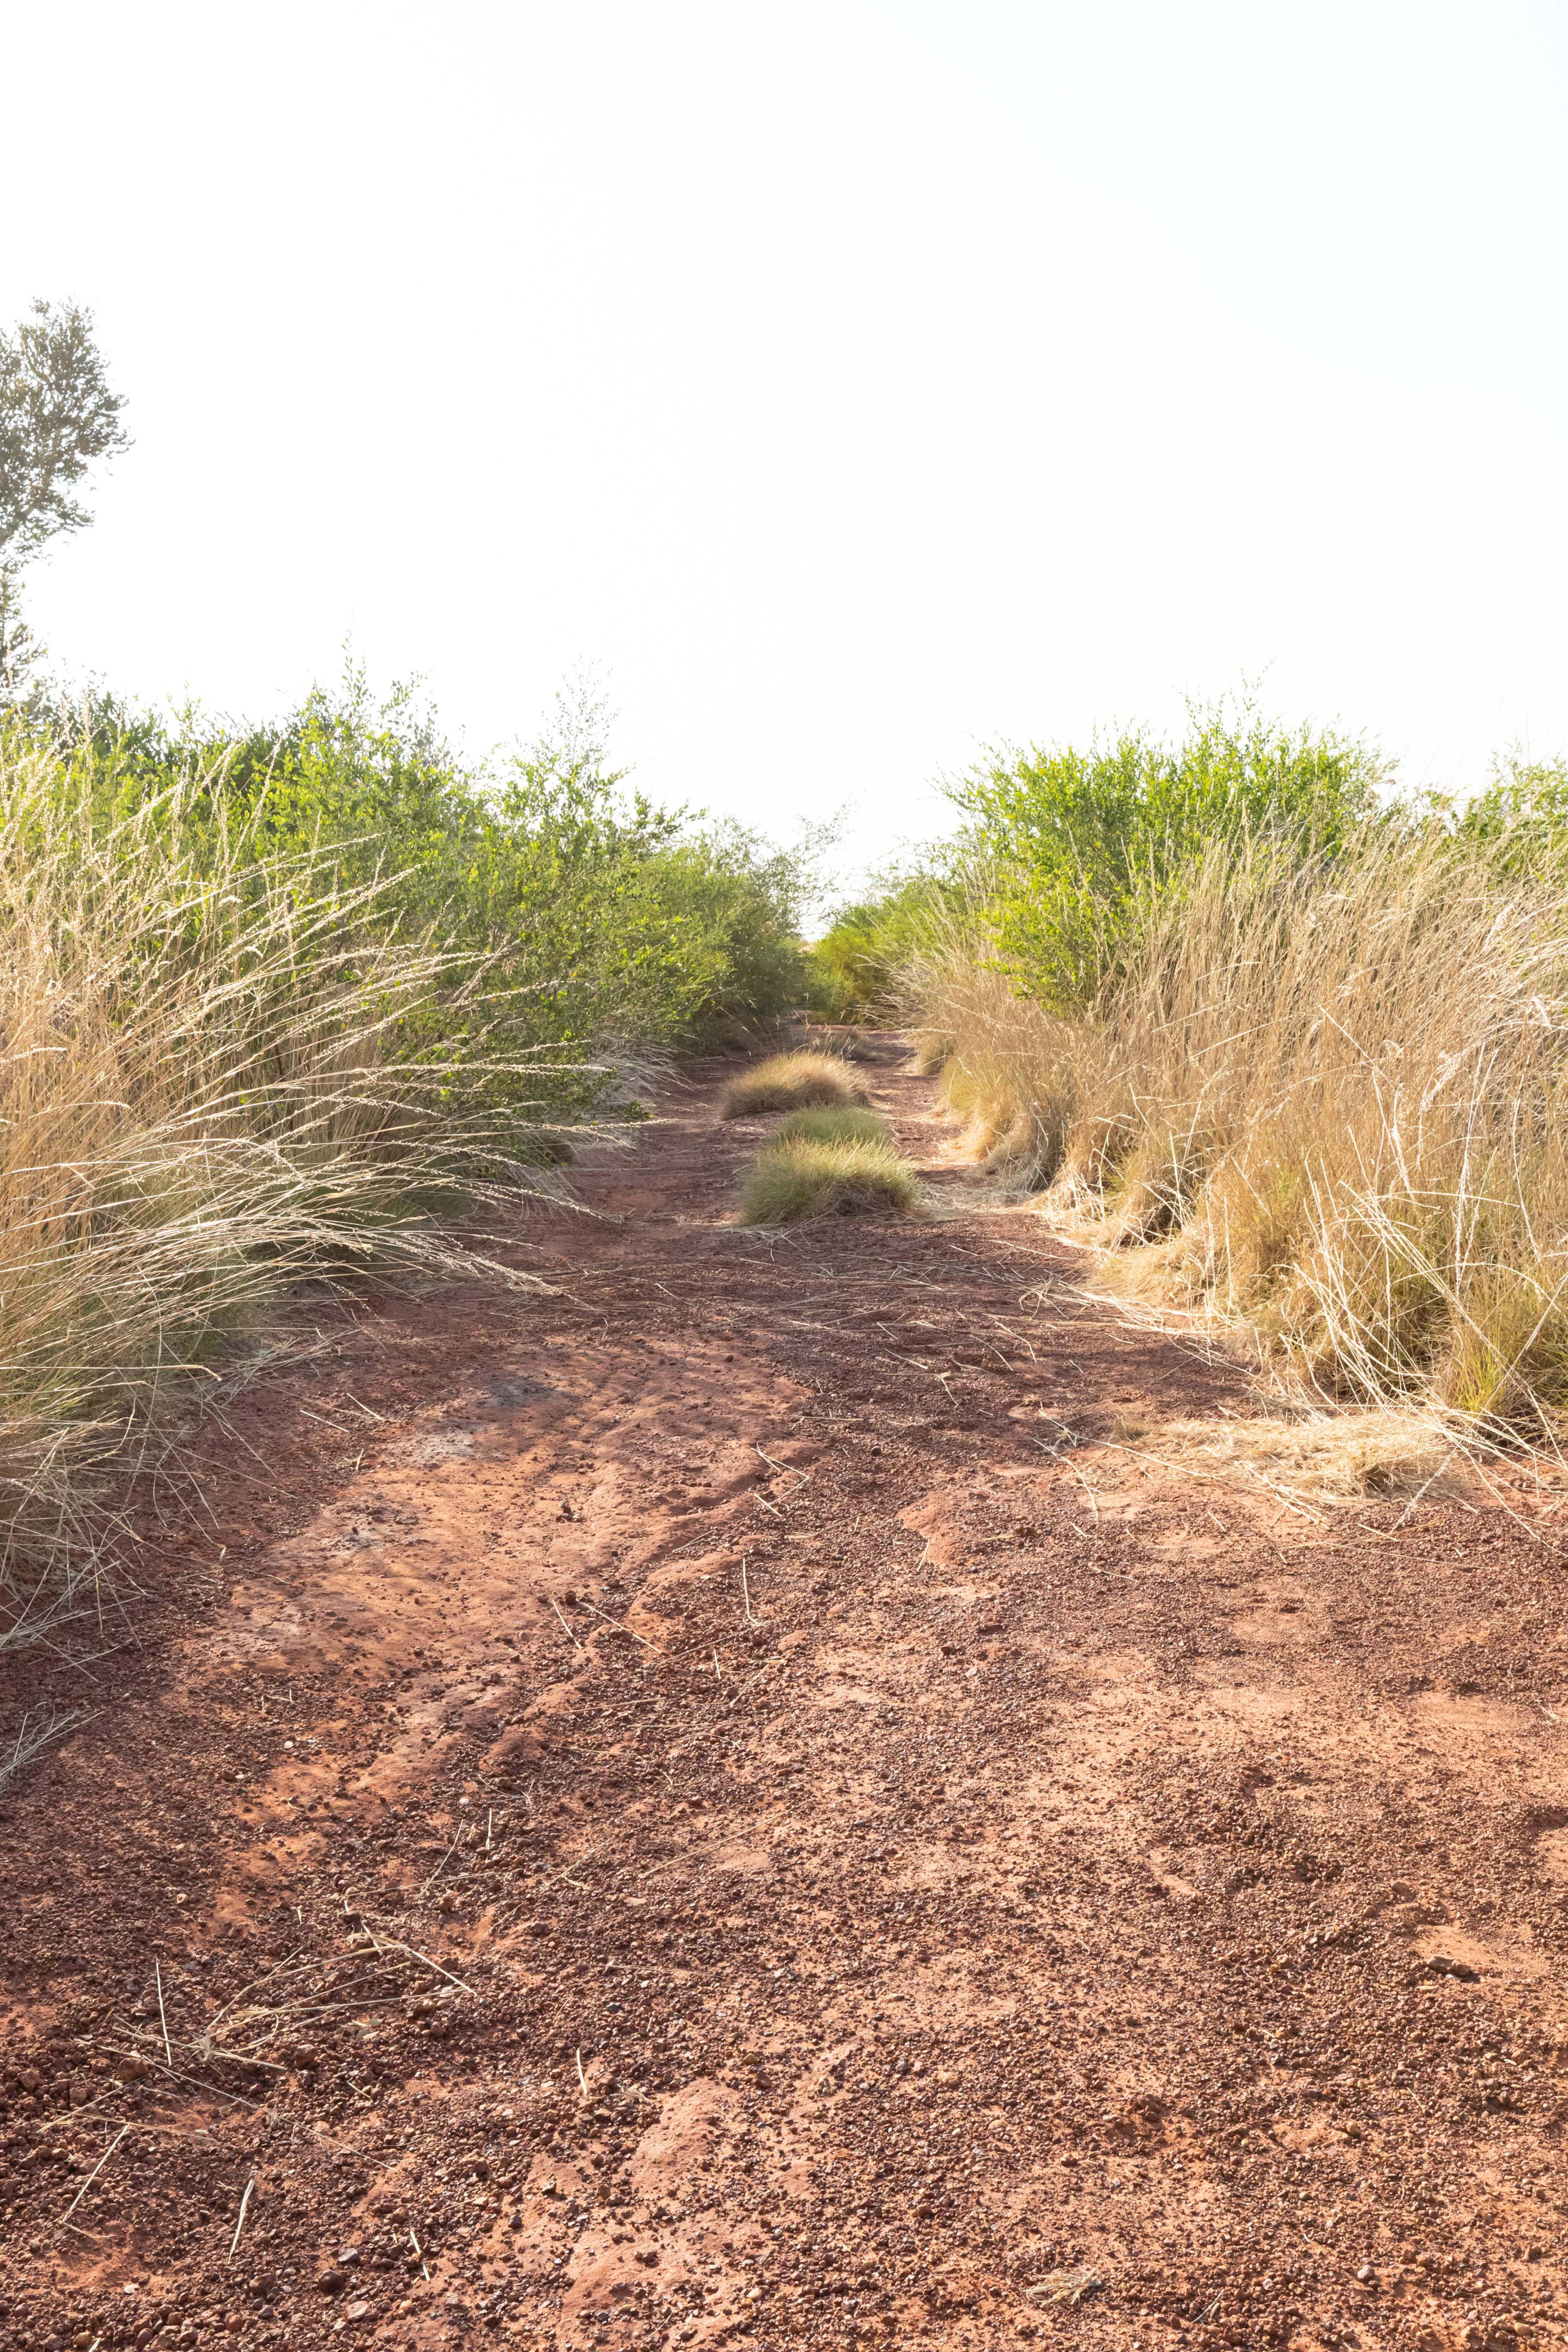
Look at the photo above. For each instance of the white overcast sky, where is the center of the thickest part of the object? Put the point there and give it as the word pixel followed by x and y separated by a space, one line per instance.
pixel 848 384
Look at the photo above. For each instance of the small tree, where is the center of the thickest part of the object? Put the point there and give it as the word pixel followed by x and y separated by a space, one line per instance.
pixel 57 415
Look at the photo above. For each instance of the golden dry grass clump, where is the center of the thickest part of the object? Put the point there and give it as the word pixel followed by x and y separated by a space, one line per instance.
pixel 1326 1096
pixel 790 1082
pixel 828 1163
pixel 848 1125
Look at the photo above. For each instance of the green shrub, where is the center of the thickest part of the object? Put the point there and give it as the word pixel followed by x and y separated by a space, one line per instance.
pixel 611 922
pixel 1074 844
pixel 1521 820
pixel 860 958
pixel 806 1178
pixel 790 1082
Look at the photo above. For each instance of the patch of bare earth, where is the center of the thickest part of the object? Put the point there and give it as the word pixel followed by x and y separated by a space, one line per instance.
pixel 681 1812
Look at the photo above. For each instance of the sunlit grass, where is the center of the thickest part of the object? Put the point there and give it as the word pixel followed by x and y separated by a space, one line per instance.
pixel 846 1126
pixel 221 1072
pixel 790 1082
pixel 819 1177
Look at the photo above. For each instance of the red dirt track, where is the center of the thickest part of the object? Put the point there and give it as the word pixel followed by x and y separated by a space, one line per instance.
pixel 686 1810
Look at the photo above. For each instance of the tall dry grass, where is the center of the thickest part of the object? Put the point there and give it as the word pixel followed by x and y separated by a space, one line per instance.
pixel 221 1071
pixel 1327 1097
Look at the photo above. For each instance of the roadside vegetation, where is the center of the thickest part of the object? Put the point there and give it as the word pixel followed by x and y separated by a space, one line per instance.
pixel 280 1005
pixel 848 1125
pixel 860 962
pixel 1291 1048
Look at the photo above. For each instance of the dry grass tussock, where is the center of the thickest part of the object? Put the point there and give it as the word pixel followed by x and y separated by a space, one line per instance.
pixel 790 1082
pixel 219 1073
pixel 842 1042
pixel 847 1125
pixel 828 1163
pixel 1328 1101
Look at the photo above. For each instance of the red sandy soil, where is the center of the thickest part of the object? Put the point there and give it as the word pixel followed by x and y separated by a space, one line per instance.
pixel 683 1812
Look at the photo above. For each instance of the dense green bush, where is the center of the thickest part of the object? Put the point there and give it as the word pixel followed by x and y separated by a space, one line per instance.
pixel 859 959
pixel 1076 843
pixel 611 924
pixel 1521 820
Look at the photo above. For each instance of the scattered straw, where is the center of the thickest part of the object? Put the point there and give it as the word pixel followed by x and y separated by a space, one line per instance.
pixel 92 2175
pixel 621 1627
pixel 244 2208
pixel 566 1629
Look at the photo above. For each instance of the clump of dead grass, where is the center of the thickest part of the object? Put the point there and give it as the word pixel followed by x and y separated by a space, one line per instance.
pixel 1312 1459
pixel 931 1051
pixel 802 1175
pixel 847 1125
pixel 790 1082
pixel 843 1043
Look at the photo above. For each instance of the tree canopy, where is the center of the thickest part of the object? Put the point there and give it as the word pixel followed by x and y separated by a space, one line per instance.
pixel 57 415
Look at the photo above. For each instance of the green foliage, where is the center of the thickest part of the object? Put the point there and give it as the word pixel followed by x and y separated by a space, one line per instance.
pixel 1521 820
pixel 732 903
pixel 1078 841
pixel 275 1003
pixel 868 945
pixel 58 416
pixel 607 925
